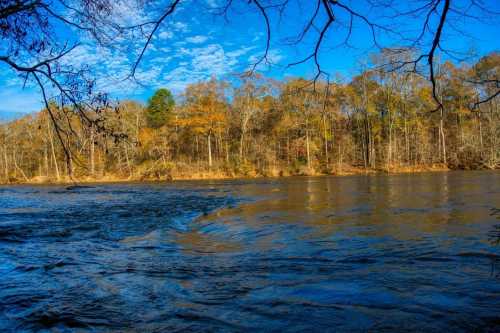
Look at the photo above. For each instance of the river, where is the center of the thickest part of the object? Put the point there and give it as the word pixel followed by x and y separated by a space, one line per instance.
pixel 413 252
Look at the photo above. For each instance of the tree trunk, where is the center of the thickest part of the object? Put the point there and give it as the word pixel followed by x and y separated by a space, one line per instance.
pixel 480 132
pixel 242 137
pixel 17 166
pixel 69 163
pixel 325 138
pixel 339 167
pixel 51 140
pixel 389 155
pixel 441 133
pixel 287 148
pixel 197 148
pixel 128 160
pixel 6 170
pixel 368 145
pixel 46 159
pixel 308 150
pixel 92 151
pixel 209 142
pixel 244 124
pixel 407 142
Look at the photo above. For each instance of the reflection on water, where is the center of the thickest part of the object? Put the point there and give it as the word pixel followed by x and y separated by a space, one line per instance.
pixel 379 253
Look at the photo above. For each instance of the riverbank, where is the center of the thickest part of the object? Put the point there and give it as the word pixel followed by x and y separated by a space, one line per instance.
pixel 220 175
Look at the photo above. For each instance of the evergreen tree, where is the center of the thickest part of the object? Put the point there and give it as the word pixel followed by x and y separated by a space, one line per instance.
pixel 159 108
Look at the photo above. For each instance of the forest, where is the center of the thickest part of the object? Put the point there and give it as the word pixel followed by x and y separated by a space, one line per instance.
pixel 384 119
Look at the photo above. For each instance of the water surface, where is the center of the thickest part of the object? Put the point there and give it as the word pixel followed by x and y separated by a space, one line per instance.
pixel 380 253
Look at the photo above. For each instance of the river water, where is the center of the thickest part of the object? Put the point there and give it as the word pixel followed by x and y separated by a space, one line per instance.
pixel 380 253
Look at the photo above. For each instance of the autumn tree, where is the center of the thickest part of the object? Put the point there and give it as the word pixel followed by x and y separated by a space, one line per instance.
pixel 247 99
pixel 204 112
pixel 376 120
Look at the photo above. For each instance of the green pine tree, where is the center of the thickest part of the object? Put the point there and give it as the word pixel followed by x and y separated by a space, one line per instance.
pixel 159 108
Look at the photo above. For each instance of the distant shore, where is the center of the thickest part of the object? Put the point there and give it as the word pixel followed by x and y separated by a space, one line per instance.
pixel 218 175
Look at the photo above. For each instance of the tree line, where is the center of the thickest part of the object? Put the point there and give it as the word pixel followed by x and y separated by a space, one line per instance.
pixel 382 119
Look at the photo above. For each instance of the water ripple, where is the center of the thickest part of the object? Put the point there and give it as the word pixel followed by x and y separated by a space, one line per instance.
pixel 392 253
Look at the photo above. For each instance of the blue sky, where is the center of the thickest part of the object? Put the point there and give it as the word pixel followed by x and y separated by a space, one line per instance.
pixel 195 44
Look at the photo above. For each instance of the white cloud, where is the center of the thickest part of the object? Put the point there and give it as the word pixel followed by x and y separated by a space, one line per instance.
pixel 177 79
pixel 212 3
pixel 201 63
pixel 180 26
pixel 128 12
pixel 178 55
pixel 240 52
pixel 165 49
pixel 148 75
pixel 274 56
pixel 199 39
pixel 165 35
pixel 84 55
pixel 179 44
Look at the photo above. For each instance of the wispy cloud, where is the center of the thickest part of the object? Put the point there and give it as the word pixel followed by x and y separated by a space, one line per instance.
pixel 274 56
pixel 198 39
pixel 180 26
pixel 182 52
pixel 201 63
pixel 213 3
pixel 165 35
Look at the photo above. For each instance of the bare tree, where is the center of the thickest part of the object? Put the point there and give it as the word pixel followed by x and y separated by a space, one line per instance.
pixel 35 49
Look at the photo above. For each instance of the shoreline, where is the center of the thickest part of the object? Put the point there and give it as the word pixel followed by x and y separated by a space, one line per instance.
pixel 211 176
